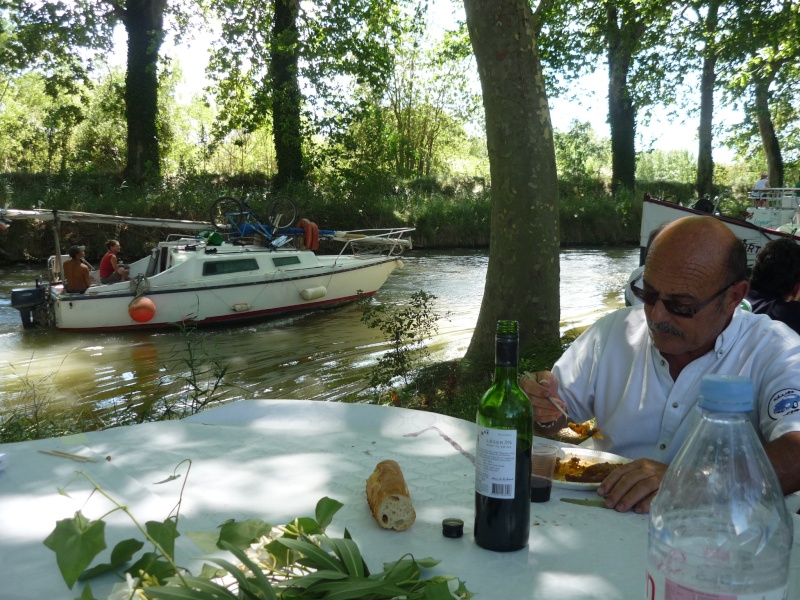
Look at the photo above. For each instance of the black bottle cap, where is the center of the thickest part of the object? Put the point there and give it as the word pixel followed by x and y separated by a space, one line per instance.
pixel 452 528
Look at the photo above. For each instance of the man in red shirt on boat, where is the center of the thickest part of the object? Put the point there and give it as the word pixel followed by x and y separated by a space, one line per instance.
pixel 110 269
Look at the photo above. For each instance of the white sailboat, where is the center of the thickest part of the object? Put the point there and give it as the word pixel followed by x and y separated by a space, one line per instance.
pixel 252 271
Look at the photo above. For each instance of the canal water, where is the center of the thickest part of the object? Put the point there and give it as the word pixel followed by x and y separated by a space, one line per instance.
pixel 325 355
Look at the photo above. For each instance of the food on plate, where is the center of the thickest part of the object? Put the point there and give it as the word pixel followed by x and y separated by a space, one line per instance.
pixel 586 429
pixel 388 497
pixel 583 471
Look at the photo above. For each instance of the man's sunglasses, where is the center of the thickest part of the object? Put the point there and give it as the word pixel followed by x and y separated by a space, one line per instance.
pixel 679 309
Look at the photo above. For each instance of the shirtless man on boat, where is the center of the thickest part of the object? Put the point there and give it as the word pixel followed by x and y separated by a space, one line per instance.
pixel 76 273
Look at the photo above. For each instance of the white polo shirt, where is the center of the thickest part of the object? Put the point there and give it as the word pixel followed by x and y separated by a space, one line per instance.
pixel 613 372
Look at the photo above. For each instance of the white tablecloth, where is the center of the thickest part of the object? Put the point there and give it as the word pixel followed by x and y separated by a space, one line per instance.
pixel 274 460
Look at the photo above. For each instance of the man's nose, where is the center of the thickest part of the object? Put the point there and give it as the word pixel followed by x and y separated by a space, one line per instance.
pixel 658 312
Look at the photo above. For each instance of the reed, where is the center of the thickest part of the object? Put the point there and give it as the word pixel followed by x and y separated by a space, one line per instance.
pixel 193 380
pixel 33 412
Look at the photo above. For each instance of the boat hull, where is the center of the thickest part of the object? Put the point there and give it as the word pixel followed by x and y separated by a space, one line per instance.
pixel 228 302
pixel 657 212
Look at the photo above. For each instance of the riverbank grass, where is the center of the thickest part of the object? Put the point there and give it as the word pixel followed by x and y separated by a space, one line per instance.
pixel 453 388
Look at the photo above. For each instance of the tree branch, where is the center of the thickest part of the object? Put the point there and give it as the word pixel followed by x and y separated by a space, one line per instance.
pixel 538 15
pixel 117 8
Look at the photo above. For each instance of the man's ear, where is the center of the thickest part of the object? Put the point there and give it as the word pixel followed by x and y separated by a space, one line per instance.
pixel 738 292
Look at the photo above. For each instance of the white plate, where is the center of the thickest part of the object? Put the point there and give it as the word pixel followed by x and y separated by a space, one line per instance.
pixel 588 455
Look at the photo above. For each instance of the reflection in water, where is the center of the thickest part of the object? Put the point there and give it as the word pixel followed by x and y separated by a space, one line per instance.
pixel 324 355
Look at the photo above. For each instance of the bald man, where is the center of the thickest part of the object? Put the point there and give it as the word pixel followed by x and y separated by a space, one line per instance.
pixel 638 369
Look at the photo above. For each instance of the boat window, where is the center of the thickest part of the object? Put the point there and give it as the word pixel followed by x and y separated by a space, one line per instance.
pixel 285 261
pixel 223 267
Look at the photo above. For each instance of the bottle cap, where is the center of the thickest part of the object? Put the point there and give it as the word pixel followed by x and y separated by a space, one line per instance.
pixel 452 528
pixel 726 393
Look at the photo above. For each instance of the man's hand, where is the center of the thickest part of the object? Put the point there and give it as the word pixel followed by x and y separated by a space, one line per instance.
pixel 540 387
pixel 633 485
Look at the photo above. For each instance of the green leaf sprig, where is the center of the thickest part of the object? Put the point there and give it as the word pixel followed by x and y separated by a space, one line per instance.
pixel 295 561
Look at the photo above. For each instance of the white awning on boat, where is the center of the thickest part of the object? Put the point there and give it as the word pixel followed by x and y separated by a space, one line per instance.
pixel 84 217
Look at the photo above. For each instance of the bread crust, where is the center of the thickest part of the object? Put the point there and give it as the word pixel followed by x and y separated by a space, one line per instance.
pixel 388 497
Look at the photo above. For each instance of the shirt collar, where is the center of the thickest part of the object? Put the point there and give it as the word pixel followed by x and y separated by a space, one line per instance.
pixel 730 334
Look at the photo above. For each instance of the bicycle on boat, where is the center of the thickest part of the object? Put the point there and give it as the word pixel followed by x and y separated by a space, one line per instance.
pixel 232 216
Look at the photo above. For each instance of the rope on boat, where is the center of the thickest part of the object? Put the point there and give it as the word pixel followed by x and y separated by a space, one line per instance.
pixel 141 309
pixel 140 286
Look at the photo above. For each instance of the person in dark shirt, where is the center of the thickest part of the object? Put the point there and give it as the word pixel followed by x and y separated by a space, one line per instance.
pixel 775 282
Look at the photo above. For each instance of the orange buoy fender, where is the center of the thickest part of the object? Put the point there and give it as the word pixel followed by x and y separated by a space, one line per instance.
pixel 310 234
pixel 142 309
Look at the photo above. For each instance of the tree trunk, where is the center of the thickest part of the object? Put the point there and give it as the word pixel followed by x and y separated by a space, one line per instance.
pixel 766 129
pixel 522 279
pixel 705 160
pixel 621 111
pixel 286 98
pixel 144 22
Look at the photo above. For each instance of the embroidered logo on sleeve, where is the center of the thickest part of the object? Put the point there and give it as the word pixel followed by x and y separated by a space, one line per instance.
pixel 784 403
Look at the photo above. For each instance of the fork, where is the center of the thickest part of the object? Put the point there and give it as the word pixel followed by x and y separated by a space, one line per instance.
pixel 532 377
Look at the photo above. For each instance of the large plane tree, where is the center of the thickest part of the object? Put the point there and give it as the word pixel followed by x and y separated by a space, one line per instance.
pixel 522 279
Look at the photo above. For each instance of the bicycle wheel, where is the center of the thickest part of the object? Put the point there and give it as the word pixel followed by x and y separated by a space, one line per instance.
pixel 227 214
pixel 281 212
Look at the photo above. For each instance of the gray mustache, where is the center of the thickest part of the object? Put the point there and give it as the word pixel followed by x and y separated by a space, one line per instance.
pixel 662 327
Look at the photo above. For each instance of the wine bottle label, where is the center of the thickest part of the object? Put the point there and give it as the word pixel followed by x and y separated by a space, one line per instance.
pixel 660 587
pixel 495 461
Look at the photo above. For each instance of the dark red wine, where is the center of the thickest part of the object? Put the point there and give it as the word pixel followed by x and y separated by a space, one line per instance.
pixel 540 489
pixel 504 525
pixel 503 452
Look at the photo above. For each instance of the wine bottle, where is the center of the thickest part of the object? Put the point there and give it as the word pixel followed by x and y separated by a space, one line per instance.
pixel 503 452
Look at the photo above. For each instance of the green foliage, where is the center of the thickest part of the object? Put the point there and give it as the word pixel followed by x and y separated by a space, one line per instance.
pixel 296 560
pixel 76 542
pixel 454 388
pixel 589 215
pixel 405 327
pixel 580 154
pixel 264 53
pixel 676 166
pixel 458 219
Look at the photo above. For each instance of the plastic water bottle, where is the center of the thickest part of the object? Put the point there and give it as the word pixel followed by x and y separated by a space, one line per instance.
pixel 719 528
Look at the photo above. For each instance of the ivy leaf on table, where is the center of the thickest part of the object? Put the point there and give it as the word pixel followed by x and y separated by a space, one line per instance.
pixel 241 534
pixel 76 542
pixel 121 554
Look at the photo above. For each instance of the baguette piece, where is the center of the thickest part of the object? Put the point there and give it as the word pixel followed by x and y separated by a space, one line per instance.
pixel 388 497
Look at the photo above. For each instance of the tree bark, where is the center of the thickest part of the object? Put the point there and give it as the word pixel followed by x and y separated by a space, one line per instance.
pixel 705 161
pixel 621 38
pixel 766 129
pixel 144 22
pixel 286 99
pixel 522 279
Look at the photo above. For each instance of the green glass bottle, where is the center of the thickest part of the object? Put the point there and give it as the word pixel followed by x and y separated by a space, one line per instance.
pixel 503 452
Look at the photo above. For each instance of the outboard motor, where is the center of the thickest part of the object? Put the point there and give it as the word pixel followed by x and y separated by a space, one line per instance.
pixel 25 300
